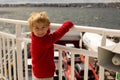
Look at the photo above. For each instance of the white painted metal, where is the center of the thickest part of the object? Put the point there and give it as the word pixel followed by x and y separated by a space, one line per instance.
pixel 80 41
pixel 19 52
pixel 1 67
pixel 4 58
pixel 60 65
pixel 72 66
pixel 76 51
pixel 13 21
pixel 25 59
pixel 110 32
pixel 14 60
pixel 9 60
pixel 86 65
pixel 103 43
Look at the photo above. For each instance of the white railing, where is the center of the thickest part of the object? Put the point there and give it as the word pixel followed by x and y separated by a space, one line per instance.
pixel 14 66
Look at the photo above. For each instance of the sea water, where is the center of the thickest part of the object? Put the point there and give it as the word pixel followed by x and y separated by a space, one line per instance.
pixel 95 17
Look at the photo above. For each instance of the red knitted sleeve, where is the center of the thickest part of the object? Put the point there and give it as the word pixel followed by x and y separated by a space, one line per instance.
pixel 60 32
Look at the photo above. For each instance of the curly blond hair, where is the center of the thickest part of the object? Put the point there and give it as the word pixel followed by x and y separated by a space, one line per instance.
pixel 38 17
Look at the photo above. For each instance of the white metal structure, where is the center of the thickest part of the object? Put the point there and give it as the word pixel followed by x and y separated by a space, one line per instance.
pixel 13 66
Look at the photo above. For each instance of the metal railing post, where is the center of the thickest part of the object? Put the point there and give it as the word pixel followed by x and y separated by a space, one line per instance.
pixel 19 52
pixel 60 64
pixel 72 67
pixel 1 67
pixel 101 71
pixel 86 65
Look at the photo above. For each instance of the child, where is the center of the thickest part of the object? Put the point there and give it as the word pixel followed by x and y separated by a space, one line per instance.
pixel 42 45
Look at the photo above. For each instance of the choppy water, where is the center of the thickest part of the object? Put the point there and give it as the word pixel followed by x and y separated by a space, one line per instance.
pixel 96 17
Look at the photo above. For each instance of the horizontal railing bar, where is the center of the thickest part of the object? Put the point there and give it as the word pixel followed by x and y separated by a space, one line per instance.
pixel 13 21
pixel 8 35
pixel 110 32
pixel 77 51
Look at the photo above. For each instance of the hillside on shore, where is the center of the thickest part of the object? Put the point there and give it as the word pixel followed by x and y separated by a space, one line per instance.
pixel 98 5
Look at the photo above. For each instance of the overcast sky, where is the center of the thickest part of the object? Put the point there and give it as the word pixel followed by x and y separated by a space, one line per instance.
pixel 56 1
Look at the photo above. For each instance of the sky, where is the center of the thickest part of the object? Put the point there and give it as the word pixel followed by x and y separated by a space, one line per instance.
pixel 55 1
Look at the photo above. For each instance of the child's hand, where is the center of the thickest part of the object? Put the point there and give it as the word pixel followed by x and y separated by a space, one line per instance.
pixel 68 24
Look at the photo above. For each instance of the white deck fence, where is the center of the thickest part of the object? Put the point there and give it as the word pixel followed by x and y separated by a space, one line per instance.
pixel 14 63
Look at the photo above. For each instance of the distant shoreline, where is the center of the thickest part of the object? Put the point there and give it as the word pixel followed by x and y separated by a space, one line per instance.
pixel 89 5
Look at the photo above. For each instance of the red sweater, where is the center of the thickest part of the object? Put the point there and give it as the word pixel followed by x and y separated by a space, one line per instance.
pixel 42 51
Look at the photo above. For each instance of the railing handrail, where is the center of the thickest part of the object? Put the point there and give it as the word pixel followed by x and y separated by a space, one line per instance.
pixel 98 30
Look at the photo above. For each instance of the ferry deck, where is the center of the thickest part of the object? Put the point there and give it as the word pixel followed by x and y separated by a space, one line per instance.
pixel 15 62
